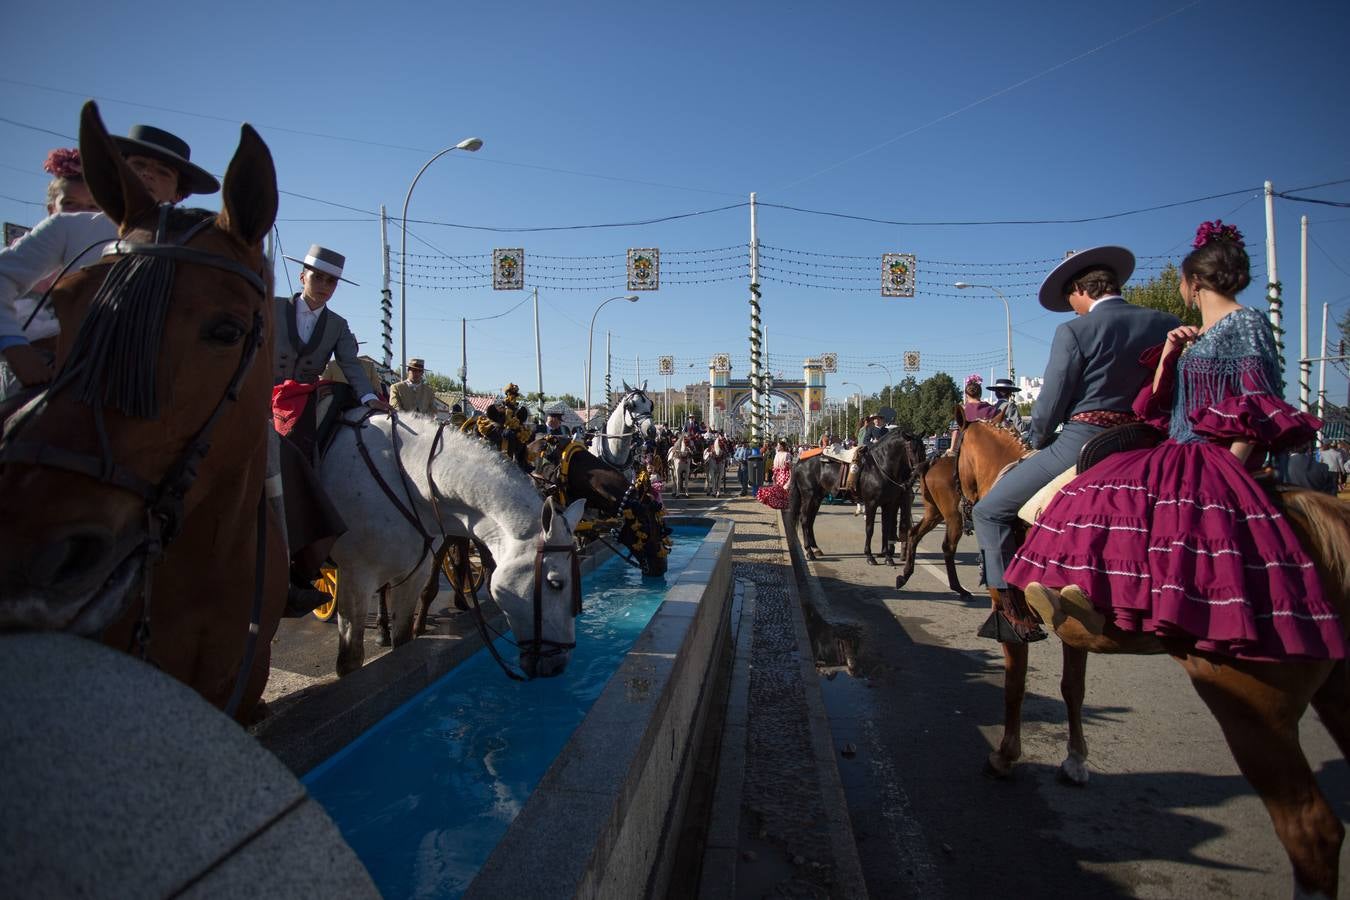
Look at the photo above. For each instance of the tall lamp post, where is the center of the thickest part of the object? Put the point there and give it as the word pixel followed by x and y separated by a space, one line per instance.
pixel 961 285
pixel 889 397
pixel 590 342
pixel 470 144
pixel 859 387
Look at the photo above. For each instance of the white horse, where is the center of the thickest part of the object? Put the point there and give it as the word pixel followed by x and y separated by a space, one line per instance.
pixel 715 464
pixel 628 425
pixel 478 494
pixel 679 459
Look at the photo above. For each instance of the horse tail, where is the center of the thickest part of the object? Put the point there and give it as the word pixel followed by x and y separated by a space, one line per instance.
pixel 794 499
pixel 1322 523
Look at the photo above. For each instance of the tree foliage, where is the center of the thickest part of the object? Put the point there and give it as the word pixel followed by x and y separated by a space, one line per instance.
pixel 1163 292
pixel 921 407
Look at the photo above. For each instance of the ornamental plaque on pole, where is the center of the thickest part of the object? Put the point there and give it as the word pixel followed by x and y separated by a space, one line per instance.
pixel 721 362
pixel 911 360
pixel 829 363
pixel 644 269
pixel 665 365
pixel 508 269
pixel 897 274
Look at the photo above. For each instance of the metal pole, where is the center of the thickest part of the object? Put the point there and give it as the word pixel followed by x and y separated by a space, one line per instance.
pixel 386 296
pixel 464 366
pixel 1304 367
pixel 1272 274
pixel 1322 367
pixel 756 410
pixel 538 352
pixel 609 364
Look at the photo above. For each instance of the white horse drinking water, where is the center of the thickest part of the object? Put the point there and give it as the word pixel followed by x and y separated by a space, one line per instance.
pixel 628 426
pixel 397 495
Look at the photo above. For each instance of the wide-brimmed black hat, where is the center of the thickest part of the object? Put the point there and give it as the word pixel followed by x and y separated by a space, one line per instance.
pixel 1117 259
pixel 321 259
pixel 1005 384
pixel 146 140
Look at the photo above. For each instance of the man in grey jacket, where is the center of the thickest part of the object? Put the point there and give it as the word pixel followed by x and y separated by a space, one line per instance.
pixel 1091 380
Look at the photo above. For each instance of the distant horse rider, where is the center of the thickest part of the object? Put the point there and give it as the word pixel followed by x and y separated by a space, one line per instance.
pixel 1091 381
pixel 413 394
pixel 1003 390
pixel 553 426
pixel 872 429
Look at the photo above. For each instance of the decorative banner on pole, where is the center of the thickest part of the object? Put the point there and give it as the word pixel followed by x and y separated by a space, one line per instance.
pixel 911 360
pixel 14 232
pixel 721 362
pixel 508 269
pixel 897 274
pixel 829 363
pixel 644 269
pixel 665 365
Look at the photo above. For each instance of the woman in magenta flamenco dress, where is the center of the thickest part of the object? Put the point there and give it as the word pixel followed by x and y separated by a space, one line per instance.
pixel 1179 540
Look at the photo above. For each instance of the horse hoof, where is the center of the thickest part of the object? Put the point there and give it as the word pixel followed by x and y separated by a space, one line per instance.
pixel 900 581
pixel 871 560
pixel 963 593
pixel 998 766
pixel 384 640
pixel 890 561
pixel 1074 771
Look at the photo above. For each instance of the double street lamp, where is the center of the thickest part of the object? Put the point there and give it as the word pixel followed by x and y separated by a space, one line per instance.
pixel 859 387
pixel 590 342
pixel 961 285
pixel 470 144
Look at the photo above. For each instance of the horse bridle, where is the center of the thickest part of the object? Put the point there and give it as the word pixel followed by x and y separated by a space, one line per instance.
pixel 164 500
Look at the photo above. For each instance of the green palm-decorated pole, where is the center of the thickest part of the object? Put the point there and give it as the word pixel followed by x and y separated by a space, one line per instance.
pixel 756 335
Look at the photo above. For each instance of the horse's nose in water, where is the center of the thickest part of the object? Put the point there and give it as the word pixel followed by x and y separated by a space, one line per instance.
pixel 545 667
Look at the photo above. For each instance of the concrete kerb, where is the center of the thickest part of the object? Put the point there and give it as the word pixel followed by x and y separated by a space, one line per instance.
pixel 604 821
pixel 849 873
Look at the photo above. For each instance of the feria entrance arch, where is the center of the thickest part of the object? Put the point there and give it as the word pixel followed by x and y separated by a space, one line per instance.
pixel 729 398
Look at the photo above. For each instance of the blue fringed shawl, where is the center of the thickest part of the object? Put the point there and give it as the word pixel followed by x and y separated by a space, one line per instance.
pixel 1234 358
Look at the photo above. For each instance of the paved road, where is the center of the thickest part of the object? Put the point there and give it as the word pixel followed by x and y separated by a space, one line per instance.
pixel 1166 813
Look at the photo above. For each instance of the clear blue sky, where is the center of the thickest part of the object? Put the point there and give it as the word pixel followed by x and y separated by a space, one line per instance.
pixel 604 113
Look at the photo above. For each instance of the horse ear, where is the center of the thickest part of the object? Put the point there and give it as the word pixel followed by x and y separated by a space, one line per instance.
pixel 960 415
pixel 644 385
pixel 116 189
pixel 249 192
pixel 572 515
pixel 998 418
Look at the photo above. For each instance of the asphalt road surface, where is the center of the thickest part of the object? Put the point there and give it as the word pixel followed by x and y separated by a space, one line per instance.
pixel 1165 814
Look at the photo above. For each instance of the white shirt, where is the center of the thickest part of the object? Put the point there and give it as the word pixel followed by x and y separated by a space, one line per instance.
pixel 1101 299
pixel 306 319
pixel 46 249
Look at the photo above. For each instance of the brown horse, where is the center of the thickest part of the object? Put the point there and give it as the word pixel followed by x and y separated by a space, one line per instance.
pixel 1258 705
pixel 132 490
pixel 941 500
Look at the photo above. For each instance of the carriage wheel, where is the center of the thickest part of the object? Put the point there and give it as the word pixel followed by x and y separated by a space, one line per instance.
pixel 327 582
pixel 476 571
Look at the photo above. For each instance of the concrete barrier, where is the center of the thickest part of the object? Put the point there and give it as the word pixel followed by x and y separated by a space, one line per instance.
pixel 604 820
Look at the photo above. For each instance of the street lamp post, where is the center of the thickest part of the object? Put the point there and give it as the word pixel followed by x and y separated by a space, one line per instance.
pixel 889 397
pixel 470 144
pixel 859 387
pixel 590 342
pixel 961 285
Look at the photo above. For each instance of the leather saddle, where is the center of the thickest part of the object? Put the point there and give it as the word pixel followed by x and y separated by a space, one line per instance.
pixel 1131 436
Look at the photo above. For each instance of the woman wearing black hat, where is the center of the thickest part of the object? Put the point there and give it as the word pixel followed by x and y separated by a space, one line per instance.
pixel 162 162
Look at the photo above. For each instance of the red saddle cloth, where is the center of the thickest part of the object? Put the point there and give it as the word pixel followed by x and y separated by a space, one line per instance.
pixel 289 400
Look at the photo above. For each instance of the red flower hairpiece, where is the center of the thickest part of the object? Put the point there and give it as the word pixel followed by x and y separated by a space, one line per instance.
pixel 1209 232
pixel 64 162
pixel 976 377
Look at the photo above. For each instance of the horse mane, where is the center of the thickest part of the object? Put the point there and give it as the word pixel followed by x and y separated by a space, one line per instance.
pixel 494 476
pixel 1323 522
pixel 1005 432
pixel 114 359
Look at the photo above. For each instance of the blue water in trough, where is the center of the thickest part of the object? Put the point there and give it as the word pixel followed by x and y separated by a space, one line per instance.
pixel 425 795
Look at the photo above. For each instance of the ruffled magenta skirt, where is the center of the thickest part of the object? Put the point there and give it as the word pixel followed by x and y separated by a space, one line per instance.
pixel 1180 541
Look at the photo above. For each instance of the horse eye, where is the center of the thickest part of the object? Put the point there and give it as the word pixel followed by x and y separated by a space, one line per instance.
pixel 224 333
pixel 555 582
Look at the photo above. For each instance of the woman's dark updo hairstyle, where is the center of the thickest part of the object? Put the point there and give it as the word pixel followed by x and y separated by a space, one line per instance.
pixel 974 390
pixel 1219 261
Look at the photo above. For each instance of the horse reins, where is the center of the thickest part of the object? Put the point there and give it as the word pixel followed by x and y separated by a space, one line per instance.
pixel 163 501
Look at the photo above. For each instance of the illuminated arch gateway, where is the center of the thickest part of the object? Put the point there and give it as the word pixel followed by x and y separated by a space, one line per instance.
pixel 727 396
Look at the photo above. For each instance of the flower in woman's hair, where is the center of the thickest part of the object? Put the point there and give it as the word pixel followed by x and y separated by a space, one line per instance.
pixel 1209 232
pixel 975 377
pixel 64 162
